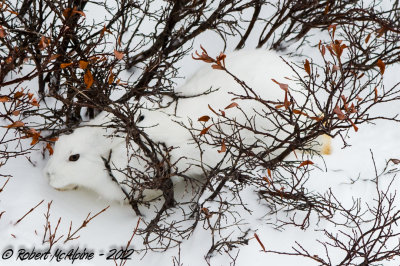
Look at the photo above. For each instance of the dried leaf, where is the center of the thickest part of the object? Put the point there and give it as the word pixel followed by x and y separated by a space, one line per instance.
pixel 88 79
pixel 66 12
pixel 335 68
pixel 298 112
pixel 49 148
pixel 354 125
pixel 64 65
pixel 232 105
pixel 18 94
pixel 259 241
pixel 395 161
pixel 4 99
pixel 376 95
pixel 283 86
pixel 16 124
pixel 79 12
pixel 2 32
pixel 381 66
pixel 368 37
pixel 269 172
pixel 212 110
pixel 35 102
pixel 326 8
pixel 333 27
pixel 205 130
pixel 118 55
pixel 307 162
pixel 216 66
pixel 307 67
pixel 16 113
pixel 204 118
pixel 223 147
pixel 83 64
pixel 111 78
pixel 339 113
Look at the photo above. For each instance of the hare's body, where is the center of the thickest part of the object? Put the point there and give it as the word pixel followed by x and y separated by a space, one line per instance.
pixel 255 68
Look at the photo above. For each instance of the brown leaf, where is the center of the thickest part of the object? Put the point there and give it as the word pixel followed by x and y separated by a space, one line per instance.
pixel 269 172
pixel 204 118
pixel 307 67
pixel 64 65
pixel 381 66
pixel 118 55
pixel 395 161
pixel 223 147
pixel 333 27
pixel 4 99
pixel 19 94
pixel 79 12
pixel 376 95
pixel 259 241
pixel 205 130
pixel 88 79
pixel 212 110
pixel 283 86
pixel 368 37
pixel 83 64
pixel 232 105
pixel 335 68
pixel 66 12
pixel 326 8
pixel 216 66
pixel 16 113
pixel 2 32
pixel 307 162
pixel 339 113
pixel 111 78
pixel 16 124
pixel 354 125
pixel 54 56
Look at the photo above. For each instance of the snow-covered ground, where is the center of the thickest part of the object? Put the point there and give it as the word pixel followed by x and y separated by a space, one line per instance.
pixel 113 228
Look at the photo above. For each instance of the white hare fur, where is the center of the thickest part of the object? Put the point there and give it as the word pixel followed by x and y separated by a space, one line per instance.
pixel 256 68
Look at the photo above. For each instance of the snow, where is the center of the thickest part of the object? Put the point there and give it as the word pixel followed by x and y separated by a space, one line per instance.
pixel 113 228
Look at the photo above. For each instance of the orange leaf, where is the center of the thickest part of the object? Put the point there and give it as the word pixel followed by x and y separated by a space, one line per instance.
pixel 2 32
pixel 316 118
pixel 118 55
pixel 307 162
pixel 307 67
pixel 83 64
pixel 283 86
pixel 16 112
pixel 231 105
pixel 16 124
pixel 110 78
pixel 381 66
pixel 54 56
pixel 64 65
pixel 79 12
pixel 223 147
pixel 4 99
pixel 49 148
pixel 19 94
pixel 88 79
pixel 35 102
pixel 376 95
pixel 204 131
pixel 269 172
pixel 298 112
pixel 204 118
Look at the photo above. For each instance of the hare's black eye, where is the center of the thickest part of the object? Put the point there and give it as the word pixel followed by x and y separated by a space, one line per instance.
pixel 74 157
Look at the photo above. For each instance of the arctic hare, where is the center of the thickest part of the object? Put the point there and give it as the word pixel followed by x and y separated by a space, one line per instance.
pixel 78 159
